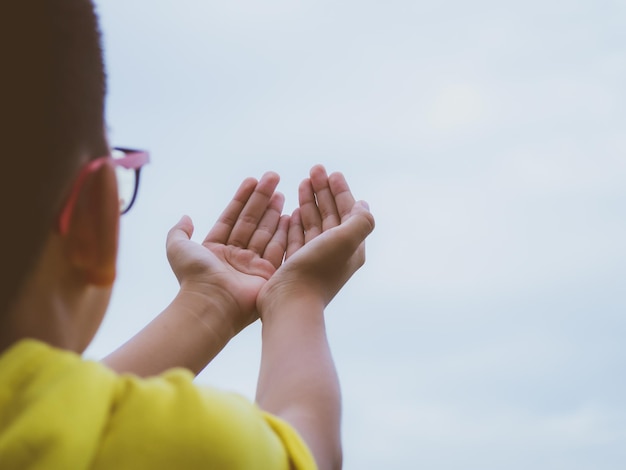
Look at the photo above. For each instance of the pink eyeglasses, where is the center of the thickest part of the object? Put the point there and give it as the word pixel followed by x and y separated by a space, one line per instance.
pixel 127 164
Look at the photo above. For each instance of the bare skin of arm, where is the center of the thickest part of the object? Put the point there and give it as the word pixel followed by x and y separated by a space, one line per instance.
pixel 297 379
pixel 219 283
pixel 236 274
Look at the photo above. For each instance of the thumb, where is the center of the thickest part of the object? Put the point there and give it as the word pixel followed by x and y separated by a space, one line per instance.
pixel 348 236
pixel 182 231
pixel 360 221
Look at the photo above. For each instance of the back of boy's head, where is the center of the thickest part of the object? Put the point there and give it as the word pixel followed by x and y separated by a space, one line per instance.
pixel 52 88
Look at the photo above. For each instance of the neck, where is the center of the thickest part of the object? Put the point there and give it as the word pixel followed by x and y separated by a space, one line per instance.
pixel 55 306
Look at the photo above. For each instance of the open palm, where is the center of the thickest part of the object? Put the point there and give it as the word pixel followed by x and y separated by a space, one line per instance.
pixel 239 254
pixel 325 245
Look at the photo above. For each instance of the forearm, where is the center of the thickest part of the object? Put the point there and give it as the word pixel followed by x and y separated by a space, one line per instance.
pixel 189 333
pixel 298 381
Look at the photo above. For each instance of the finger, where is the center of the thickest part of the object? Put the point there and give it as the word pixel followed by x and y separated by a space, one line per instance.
pixel 325 198
pixel 224 226
pixel 361 219
pixel 357 226
pixel 295 235
pixel 342 194
pixel 253 211
pixel 275 250
pixel 348 238
pixel 309 213
pixel 181 232
pixel 267 225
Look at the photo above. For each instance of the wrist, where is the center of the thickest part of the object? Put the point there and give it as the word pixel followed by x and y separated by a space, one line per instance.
pixel 211 310
pixel 289 301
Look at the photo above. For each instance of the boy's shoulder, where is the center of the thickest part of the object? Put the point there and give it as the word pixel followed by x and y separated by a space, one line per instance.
pixel 58 410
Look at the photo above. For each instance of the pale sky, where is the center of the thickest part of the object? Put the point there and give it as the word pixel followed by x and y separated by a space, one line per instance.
pixel 486 330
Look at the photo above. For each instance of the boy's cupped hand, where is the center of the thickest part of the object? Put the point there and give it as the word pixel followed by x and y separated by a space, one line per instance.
pixel 240 253
pixel 239 265
pixel 326 243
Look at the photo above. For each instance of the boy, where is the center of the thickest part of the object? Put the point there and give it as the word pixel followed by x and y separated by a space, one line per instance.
pixel 61 199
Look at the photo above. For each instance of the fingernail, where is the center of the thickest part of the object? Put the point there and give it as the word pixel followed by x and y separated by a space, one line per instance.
pixel 365 205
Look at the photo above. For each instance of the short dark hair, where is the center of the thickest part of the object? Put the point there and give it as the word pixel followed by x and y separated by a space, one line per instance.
pixel 52 89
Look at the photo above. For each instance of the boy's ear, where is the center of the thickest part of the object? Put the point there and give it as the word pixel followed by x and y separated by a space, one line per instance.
pixel 92 238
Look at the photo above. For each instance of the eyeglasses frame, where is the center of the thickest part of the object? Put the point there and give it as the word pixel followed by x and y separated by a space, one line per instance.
pixel 132 160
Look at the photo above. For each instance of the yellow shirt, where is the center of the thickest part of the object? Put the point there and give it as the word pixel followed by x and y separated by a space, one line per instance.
pixel 58 411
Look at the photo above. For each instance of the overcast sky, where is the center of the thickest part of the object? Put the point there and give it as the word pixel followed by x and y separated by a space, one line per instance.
pixel 486 331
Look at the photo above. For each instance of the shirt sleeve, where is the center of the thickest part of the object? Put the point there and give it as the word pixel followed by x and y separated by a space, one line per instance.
pixel 168 422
